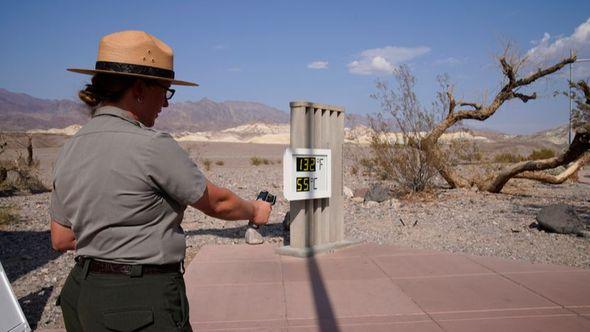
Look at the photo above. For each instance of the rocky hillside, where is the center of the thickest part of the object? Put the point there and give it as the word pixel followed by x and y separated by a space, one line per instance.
pixel 20 112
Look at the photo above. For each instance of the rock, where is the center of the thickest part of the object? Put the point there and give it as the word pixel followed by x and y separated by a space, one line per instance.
pixel 394 203
pixel 560 218
pixel 253 237
pixel 12 177
pixel 377 193
pixel 358 199
pixel 370 204
pixel 348 193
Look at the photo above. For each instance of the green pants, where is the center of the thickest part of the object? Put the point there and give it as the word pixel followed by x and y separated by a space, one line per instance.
pixel 112 302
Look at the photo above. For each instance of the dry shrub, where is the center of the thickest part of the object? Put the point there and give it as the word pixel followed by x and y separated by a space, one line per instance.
pixel 219 163
pixel 256 161
pixel 543 153
pixel 207 164
pixel 399 157
pixel 8 216
pixel 507 157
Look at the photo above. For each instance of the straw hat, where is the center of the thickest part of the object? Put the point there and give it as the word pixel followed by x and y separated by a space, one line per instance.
pixel 134 53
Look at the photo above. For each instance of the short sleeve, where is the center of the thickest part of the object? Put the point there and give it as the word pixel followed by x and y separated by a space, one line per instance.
pixel 170 169
pixel 57 210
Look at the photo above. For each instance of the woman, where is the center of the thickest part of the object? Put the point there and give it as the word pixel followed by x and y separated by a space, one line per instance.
pixel 119 193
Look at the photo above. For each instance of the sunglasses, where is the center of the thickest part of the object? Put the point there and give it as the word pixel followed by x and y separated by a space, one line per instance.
pixel 169 92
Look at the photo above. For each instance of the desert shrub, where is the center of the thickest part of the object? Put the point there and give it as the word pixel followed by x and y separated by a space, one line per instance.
pixel 219 163
pixel 401 157
pixel 463 150
pixel 207 164
pixel 543 153
pixel 7 215
pixel 16 178
pixel 256 161
pixel 508 157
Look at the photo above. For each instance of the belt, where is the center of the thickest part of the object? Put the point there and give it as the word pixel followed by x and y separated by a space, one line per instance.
pixel 127 269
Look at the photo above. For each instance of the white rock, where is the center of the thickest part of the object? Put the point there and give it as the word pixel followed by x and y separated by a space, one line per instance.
pixel 348 193
pixel 253 237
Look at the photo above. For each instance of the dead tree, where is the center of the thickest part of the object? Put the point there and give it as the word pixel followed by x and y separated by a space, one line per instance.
pixel 476 111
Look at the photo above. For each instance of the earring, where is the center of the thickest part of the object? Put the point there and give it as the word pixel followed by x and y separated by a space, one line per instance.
pixel 139 100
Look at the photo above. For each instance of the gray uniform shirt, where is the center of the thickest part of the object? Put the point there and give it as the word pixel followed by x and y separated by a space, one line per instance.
pixel 123 189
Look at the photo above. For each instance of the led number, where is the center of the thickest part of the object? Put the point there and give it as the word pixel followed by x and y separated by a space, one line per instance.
pixel 302 184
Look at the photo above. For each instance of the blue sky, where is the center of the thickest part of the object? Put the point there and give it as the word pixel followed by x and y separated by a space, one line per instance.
pixel 324 51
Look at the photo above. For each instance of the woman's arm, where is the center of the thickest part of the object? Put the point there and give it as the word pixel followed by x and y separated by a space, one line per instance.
pixel 62 238
pixel 223 204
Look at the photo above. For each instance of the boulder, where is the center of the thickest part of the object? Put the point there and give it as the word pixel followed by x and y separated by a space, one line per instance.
pixel 377 193
pixel 560 218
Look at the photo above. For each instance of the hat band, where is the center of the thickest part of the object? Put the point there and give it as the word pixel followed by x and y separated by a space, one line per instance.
pixel 134 69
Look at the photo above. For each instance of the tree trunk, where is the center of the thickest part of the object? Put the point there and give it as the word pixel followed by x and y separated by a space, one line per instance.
pixel 575 151
pixel 560 178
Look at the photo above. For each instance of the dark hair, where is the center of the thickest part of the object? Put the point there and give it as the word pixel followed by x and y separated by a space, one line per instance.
pixel 105 88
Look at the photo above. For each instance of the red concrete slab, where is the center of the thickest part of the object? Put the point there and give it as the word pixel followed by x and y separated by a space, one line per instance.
pixel 420 326
pixel 340 268
pixel 370 287
pixel 413 266
pixel 500 313
pixel 329 299
pixel 565 288
pixel 233 303
pixel 502 265
pixel 581 310
pixel 373 249
pixel 238 272
pixel 460 293
pixel 569 323
pixel 241 252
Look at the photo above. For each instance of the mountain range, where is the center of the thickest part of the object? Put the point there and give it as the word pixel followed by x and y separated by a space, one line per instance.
pixel 21 112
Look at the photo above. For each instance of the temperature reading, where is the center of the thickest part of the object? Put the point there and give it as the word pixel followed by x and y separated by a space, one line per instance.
pixel 306 164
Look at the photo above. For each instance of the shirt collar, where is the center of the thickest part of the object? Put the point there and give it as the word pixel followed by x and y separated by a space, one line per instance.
pixel 117 112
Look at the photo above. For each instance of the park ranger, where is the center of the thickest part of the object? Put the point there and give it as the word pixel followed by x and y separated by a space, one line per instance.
pixel 120 190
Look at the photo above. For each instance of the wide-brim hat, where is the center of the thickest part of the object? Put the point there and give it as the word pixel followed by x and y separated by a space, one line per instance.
pixel 134 53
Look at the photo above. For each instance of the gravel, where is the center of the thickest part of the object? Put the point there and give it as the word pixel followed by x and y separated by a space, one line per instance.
pixel 456 220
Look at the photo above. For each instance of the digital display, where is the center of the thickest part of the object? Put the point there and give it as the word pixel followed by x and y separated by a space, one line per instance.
pixel 305 164
pixel 306 174
pixel 302 184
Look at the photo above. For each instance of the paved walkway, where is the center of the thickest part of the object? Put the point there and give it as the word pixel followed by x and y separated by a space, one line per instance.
pixel 381 288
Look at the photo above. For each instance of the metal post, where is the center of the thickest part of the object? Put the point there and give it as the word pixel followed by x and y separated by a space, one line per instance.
pixel 317 225
pixel 569 123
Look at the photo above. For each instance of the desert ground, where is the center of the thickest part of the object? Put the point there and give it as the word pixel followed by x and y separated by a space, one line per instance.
pixel 453 220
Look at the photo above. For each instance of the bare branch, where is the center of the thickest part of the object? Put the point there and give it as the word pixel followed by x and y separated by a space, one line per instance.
pixel 452 102
pixel 476 106
pixel 508 71
pixel 544 72
pixel 524 97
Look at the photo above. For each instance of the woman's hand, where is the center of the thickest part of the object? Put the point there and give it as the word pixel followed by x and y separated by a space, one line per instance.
pixel 261 212
pixel 62 237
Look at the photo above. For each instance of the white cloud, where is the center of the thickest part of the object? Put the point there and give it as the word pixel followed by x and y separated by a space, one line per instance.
pixel 377 61
pixel 551 49
pixel 318 65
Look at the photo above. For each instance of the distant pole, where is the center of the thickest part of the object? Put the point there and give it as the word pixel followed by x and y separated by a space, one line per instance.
pixel 569 123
